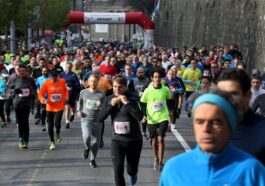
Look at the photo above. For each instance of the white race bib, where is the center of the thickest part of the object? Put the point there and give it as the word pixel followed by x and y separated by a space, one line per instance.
pixel 25 92
pixel 158 106
pixel 122 127
pixel 193 84
pixel 56 97
pixel 91 104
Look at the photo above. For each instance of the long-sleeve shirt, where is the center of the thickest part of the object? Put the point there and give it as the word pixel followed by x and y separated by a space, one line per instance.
pixel 57 94
pixel 26 87
pixel 229 167
pixel 259 103
pixel 40 80
pixel 249 135
pixel 2 88
pixel 125 118
pixel 89 103
pixel 72 82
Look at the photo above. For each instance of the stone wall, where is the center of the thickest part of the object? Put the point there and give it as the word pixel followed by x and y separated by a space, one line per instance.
pixel 214 22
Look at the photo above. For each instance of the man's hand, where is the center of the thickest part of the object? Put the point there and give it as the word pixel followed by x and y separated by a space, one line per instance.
pixel 115 101
pixel 123 99
pixel 79 114
pixel 98 103
pixel 144 119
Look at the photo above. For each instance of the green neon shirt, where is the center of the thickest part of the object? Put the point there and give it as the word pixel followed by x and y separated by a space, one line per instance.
pixel 155 99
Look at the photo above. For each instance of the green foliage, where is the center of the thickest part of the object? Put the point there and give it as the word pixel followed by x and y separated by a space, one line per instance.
pixel 8 9
pixel 55 14
pixel 50 14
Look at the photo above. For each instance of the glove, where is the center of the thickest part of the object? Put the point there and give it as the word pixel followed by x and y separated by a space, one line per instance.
pixel 18 91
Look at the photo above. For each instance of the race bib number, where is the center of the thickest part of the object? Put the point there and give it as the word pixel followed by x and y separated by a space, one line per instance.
pixel 91 105
pixel 25 92
pixel 122 127
pixel 193 84
pixel 158 106
pixel 56 97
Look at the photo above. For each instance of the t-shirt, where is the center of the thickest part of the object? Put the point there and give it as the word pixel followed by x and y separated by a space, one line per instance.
pixel 156 110
pixel 193 76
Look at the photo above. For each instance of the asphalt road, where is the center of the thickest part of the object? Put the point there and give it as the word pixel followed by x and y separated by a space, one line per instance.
pixel 65 166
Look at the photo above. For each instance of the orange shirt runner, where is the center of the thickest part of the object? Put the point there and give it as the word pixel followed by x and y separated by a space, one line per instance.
pixel 57 94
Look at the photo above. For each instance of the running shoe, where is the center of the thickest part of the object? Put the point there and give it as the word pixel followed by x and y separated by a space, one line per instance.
pixel 161 166
pixel 25 146
pixel 132 179
pixel 37 122
pixel 101 144
pixel 44 129
pixel 67 126
pixel 93 164
pixel 4 125
pixel 36 116
pixel 72 117
pixel 156 164
pixel 85 154
pixel 52 146
pixel 20 143
pixel 58 138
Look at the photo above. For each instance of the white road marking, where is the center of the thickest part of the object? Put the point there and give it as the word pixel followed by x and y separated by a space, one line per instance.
pixel 181 140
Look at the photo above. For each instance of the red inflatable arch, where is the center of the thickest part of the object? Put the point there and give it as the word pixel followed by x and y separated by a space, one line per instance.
pixel 115 18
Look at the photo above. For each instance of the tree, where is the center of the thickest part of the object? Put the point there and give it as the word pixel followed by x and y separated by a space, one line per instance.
pixel 55 14
pixel 8 12
pixel 40 13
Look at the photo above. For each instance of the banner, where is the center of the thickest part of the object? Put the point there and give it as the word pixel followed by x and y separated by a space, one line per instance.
pixel 103 18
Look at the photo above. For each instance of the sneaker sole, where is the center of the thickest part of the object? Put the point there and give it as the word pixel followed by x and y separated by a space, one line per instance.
pixel 58 141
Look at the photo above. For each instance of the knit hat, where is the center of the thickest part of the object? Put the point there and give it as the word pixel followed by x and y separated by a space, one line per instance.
pixel 221 103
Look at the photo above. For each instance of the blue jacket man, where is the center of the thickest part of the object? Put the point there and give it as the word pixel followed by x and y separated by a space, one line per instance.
pixel 214 161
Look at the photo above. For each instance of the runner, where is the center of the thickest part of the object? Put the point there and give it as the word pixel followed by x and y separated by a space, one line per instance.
pixel 104 85
pixel 89 103
pixel 177 89
pixel 2 100
pixel 73 87
pixel 57 94
pixel 23 87
pixel 155 97
pixel 39 83
pixel 141 83
pixel 126 139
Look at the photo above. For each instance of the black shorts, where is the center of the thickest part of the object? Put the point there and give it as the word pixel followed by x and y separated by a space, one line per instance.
pixel 158 129
pixel 71 101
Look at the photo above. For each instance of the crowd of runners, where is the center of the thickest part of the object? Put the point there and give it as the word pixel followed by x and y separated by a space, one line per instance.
pixel 143 90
